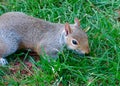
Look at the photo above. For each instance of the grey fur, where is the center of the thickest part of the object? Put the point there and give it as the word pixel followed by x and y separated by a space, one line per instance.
pixel 17 30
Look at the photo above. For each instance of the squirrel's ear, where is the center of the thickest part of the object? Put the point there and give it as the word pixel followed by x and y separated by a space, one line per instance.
pixel 77 23
pixel 68 30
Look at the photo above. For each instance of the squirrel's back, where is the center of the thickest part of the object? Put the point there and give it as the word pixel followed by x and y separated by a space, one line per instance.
pixel 31 30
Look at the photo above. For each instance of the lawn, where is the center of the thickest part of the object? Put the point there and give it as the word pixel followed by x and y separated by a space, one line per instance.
pixel 100 68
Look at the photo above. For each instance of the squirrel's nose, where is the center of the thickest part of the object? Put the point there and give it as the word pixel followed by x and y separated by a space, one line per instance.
pixel 87 51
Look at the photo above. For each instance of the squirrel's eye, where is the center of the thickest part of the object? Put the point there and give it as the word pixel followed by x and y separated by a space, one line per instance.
pixel 74 42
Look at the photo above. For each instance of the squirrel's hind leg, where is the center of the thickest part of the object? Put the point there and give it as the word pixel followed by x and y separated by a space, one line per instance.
pixel 3 50
pixel 7 47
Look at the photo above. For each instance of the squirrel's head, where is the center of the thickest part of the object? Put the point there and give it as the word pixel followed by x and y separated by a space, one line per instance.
pixel 75 38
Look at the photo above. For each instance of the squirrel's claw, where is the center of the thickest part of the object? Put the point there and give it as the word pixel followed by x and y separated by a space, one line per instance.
pixel 3 61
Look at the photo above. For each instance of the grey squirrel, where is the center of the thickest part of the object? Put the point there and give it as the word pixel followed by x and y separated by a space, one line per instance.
pixel 18 30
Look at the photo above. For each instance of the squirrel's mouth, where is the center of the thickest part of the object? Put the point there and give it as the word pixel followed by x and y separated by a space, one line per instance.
pixel 76 51
pixel 79 52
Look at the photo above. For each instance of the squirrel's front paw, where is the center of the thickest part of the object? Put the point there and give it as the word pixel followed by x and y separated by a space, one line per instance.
pixel 3 62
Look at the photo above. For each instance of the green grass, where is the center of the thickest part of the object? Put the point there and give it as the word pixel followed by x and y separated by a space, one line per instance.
pixel 100 68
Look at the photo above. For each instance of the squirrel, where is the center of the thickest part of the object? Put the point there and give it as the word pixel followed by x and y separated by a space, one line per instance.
pixel 20 31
